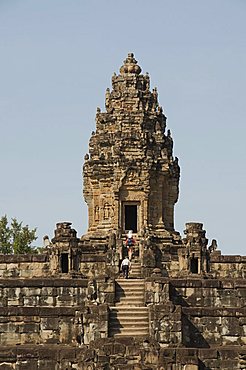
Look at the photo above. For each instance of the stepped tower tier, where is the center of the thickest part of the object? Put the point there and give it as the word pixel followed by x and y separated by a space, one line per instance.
pixel 131 180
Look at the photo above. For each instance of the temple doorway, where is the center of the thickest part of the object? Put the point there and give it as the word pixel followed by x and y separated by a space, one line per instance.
pixel 131 217
pixel 64 263
pixel 194 265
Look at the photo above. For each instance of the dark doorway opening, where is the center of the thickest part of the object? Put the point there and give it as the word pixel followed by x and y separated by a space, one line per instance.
pixel 75 266
pixel 131 214
pixel 194 265
pixel 64 263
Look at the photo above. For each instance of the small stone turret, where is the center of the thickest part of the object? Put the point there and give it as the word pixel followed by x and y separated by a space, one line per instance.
pixel 196 252
pixel 65 257
pixel 64 234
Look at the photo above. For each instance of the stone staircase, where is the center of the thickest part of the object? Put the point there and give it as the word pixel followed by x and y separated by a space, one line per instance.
pixel 129 292
pixel 129 316
pixel 135 269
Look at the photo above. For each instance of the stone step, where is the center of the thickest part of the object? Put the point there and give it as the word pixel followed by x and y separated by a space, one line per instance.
pixel 134 276
pixel 129 312
pixel 130 316
pixel 135 268
pixel 129 288
pixel 120 328
pixel 129 324
pixel 130 304
pixel 127 334
pixel 119 324
pixel 130 298
pixel 134 273
pixel 135 264
pixel 129 294
pixel 128 285
pixel 122 281
pixel 125 309
pixel 128 321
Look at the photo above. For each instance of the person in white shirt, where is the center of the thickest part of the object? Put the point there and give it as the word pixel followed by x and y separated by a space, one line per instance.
pixel 130 244
pixel 125 267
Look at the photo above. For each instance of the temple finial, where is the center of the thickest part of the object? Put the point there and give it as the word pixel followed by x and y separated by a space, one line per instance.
pixel 130 65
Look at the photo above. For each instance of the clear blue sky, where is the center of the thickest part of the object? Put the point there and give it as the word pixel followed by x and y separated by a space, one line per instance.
pixel 56 61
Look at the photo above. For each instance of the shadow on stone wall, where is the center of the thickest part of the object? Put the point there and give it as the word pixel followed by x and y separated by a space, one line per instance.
pixel 176 297
pixel 192 338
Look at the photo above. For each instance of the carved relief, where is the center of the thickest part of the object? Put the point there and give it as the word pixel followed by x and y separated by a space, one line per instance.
pixel 106 211
pixel 96 213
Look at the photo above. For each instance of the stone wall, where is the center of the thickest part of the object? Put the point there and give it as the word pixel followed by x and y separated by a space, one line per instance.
pixel 208 292
pixel 120 354
pixel 227 266
pixel 196 292
pixel 36 325
pixel 213 327
pixel 166 324
pixel 42 292
pixel 197 313
pixel 24 265
pixel 40 310
pixel 92 265
pixel 57 311
pixel 53 325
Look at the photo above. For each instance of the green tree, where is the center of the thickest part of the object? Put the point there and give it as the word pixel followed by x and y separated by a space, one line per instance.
pixel 5 236
pixel 15 238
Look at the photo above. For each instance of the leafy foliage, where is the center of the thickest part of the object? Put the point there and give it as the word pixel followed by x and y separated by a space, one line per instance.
pixel 16 238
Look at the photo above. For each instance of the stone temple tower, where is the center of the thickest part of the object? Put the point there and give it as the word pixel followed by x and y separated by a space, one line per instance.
pixel 131 180
pixel 182 305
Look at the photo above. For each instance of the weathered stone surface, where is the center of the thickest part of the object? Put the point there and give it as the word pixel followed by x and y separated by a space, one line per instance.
pixel 183 307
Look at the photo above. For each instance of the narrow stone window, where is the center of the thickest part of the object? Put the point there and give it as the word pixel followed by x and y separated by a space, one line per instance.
pixel 131 216
pixel 194 265
pixel 64 263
